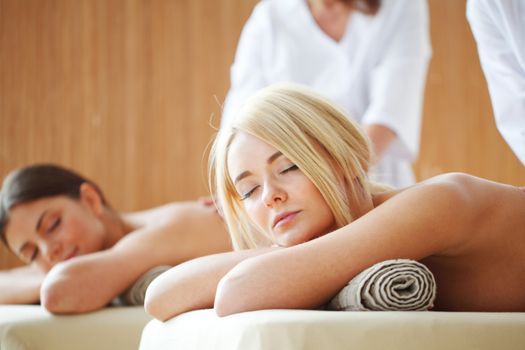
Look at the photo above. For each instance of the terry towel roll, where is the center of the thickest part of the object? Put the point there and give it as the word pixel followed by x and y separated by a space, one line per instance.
pixel 391 285
pixel 135 294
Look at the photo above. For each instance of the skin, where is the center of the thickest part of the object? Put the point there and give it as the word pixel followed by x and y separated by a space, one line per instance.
pixel 332 17
pixel 83 254
pixel 468 231
pixel 277 195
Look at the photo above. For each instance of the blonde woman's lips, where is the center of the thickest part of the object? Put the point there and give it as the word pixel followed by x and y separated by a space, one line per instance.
pixel 284 218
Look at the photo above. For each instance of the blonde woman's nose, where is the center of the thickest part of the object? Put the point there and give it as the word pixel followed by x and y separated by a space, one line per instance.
pixel 272 194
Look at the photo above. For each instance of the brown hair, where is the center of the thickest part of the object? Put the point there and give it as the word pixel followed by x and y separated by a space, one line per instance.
pixel 35 182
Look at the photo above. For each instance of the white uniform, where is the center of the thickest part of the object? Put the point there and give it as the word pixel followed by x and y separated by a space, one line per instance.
pixel 499 29
pixel 376 72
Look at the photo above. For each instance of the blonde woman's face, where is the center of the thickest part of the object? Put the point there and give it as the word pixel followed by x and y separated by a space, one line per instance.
pixel 276 195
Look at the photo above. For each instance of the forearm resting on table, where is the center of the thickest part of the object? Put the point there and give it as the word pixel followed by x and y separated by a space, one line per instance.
pixel 192 285
pixel 87 283
pixel 21 285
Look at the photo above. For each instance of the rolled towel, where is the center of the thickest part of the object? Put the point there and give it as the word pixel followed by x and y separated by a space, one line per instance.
pixel 135 294
pixel 391 285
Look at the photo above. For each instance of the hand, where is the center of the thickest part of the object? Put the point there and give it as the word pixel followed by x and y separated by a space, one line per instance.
pixel 381 138
pixel 208 202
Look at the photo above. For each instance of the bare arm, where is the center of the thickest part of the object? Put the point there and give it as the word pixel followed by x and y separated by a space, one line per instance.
pixel 381 137
pixel 193 284
pixel 21 285
pixel 414 224
pixel 91 281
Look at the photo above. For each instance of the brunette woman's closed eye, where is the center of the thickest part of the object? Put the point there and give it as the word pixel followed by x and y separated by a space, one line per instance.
pixel 54 225
pixel 27 255
pixel 34 255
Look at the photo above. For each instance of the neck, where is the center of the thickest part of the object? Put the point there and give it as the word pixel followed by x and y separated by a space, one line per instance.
pixel 116 227
pixel 331 16
pixel 328 7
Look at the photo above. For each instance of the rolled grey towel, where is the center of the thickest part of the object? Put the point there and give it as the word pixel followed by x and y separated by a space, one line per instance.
pixel 391 285
pixel 135 294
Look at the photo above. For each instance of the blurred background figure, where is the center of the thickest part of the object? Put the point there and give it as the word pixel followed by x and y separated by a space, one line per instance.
pixel 370 57
pixel 499 30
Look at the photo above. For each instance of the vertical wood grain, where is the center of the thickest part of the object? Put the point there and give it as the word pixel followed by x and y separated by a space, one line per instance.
pixel 459 132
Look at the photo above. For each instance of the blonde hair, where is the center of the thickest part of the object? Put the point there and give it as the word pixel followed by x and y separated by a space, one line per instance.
pixel 312 133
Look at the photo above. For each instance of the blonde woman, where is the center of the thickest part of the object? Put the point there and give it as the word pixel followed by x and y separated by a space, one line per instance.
pixel 294 190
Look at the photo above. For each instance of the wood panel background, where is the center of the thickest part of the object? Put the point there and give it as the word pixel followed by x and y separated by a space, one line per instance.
pixel 124 92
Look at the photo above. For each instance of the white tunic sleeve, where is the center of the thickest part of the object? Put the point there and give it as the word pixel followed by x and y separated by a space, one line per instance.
pixel 247 71
pixel 499 30
pixel 398 81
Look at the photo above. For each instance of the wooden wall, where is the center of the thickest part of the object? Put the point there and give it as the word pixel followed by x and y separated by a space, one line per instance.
pixel 124 90
pixel 459 132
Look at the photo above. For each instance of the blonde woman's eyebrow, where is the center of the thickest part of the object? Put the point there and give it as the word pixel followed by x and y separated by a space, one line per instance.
pixel 274 157
pixel 246 173
pixel 241 176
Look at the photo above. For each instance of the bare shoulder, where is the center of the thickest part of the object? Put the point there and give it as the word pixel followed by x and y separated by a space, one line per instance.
pixel 464 202
pixel 457 189
pixel 443 190
pixel 179 230
pixel 476 192
pixel 168 213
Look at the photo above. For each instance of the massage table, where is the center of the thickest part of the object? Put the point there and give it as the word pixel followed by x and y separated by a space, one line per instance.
pixel 31 327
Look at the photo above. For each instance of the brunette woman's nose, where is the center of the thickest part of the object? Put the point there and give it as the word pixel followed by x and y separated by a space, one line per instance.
pixel 52 252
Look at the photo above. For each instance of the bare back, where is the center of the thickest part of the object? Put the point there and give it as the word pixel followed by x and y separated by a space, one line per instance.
pixel 485 270
pixel 167 235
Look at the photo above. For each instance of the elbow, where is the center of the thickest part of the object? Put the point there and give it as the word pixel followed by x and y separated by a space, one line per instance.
pixel 235 294
pixel 153 304
pixel 60 294
pixel 55 300
pixel 225 302
pixel 49 299
pixel 159 301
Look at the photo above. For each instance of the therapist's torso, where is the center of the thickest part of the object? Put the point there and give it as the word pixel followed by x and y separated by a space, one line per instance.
pixel 293 48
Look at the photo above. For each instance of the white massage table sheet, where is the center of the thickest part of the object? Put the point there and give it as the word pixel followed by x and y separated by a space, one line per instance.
pixel 304 329
pixel 31 327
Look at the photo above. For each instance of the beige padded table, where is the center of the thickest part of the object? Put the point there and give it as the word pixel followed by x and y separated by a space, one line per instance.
pixel 31 327
pixel 304 329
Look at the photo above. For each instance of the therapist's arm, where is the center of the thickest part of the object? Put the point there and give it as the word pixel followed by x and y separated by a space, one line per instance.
pixel 504 72
pixel 381 138
pixel 394 113
pixel 247 70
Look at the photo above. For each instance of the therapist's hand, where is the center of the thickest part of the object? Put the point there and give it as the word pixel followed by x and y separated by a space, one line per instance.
pixel 208 202
pixel 381 137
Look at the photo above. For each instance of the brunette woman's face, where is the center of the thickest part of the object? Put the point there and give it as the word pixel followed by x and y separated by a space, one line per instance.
pixel 275 193
pixel 54 229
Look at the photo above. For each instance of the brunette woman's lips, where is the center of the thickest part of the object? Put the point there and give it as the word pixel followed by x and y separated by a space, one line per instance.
pixel 72 254
pixel 284 218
